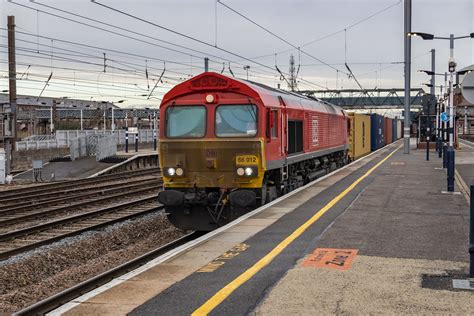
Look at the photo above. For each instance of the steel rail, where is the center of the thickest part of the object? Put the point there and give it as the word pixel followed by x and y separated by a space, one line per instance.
pixel 50 303
pixel 52 197
pixel 53 211
pixel 72 183
pixel 61 224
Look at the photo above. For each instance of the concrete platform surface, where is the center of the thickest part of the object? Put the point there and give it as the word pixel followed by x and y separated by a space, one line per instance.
pixel 405 237
pixel 77 169
pixel 411 242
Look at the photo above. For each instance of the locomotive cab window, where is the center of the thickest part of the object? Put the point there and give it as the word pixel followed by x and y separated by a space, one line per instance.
pixel 236 120
pixel 186 121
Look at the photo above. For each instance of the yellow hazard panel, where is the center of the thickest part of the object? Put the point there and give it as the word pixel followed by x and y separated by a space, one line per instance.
pixel 246 160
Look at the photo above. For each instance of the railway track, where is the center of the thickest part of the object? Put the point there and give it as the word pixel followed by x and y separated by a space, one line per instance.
pixel 25 213
pixel 61 196
pixel 36 216
pixel 67 295
pixel 62 185
pixel 21 240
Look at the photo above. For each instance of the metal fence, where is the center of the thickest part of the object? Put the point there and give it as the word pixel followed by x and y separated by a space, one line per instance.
pixel 100 146
pixel 35 138
pixel 63 136
pixel 78 147
pixel 38 144
pixel 106 146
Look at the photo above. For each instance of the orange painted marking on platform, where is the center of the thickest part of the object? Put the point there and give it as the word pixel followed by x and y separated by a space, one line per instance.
pixel 339 259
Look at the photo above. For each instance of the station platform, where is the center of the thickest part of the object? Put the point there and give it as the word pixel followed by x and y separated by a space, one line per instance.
pixel 377 236
pixel 83 168
pixel 64 170
pixel 465 162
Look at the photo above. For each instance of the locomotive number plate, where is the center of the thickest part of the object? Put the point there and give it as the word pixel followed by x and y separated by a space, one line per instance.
pixel 246 160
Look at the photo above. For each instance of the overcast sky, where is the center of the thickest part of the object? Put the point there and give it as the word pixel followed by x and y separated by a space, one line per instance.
pixel 374 48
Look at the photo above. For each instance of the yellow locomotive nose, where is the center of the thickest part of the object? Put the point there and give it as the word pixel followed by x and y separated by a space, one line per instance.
pixel 211 163
pixel 236 164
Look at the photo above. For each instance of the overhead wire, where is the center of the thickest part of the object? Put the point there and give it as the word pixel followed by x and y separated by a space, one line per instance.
pixel 276 35
pixel 184 64
pixel 117 27
pixel 336 32
pixel 183 35
pixel 95 48
pixel 100 28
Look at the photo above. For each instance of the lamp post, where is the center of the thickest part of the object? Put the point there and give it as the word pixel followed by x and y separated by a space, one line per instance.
pixel 432 92
pixel 452 69
pixel 407 71
pixel 439 109
pixel 246 68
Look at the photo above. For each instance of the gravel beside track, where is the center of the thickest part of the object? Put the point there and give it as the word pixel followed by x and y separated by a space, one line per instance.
pixel 38 274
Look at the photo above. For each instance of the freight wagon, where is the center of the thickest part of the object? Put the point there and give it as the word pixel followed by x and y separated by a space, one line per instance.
pixel 376 132
pixel 399 129
pixel 394 130
pixel 387 131
pixel 359 135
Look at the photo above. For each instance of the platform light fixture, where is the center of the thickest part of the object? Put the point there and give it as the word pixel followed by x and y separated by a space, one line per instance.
pixel 425 36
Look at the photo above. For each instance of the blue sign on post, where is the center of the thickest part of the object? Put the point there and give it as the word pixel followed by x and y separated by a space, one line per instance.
pixel 444 117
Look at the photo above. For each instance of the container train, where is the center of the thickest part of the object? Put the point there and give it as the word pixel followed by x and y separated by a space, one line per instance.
pixel 228 145
pixel 369 132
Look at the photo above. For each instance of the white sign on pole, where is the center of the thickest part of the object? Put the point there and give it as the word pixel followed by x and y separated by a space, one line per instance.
pixel 468 87
pixel 133 130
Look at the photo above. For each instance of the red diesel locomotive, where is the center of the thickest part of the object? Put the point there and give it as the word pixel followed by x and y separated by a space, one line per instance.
pixel 228 145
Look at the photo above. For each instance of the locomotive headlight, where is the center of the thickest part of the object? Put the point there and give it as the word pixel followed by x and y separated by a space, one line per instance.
pixel 248 171
pixel 179 172
pixel 240 171
pixel 172 171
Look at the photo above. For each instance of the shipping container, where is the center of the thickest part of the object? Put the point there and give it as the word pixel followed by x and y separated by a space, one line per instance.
pixel 376 131
pixel 394 130
pixel 399 129
pixel 387 132
pixel 359 135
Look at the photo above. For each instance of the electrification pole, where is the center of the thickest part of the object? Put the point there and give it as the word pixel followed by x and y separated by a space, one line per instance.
pixel 432 92
pixel 10 139
pixel 406 130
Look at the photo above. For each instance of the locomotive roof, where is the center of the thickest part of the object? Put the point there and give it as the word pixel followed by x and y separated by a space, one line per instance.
pixel 268 95
pixel 292 97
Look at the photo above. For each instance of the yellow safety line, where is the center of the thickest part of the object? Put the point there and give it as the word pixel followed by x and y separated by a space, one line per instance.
pixel 227 290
